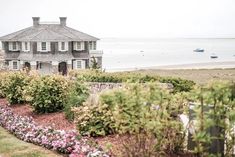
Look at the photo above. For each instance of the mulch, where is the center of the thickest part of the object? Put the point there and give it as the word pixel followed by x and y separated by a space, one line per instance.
pixel 56 120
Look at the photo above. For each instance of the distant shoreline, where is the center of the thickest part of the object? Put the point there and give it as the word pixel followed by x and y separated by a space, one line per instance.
pixel 207 65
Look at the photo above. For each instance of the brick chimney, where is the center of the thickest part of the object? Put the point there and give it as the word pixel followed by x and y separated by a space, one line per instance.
pixel 63 21
pixel 36 21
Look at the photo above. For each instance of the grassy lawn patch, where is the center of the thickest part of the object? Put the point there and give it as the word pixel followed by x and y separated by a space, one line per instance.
pixel 10 146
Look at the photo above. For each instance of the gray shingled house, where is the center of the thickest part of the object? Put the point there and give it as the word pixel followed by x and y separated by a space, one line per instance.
pixel 50 48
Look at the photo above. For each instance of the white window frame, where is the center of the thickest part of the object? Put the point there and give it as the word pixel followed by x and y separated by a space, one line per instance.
pixel 39 46
pixel 65 46
pixel 75 64
pixel 44 47
pixel 11 46
pixel 92 45
pixel 12 65
pixel 75 45
pixel 24 46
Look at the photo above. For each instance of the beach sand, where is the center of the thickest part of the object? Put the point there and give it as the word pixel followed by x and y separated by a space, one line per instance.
pixel 200 73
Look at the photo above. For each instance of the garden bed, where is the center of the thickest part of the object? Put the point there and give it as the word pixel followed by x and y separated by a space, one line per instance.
pixel 55 120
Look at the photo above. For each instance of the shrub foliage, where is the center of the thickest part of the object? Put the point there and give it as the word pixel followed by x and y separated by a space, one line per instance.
pixel 47 93
pixel 13 85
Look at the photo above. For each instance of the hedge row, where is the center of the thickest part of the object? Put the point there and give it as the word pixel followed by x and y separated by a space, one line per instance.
pixel 180 85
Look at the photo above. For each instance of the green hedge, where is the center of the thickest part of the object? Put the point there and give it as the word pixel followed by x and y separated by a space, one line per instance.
pixel 180 85
pixel 47 93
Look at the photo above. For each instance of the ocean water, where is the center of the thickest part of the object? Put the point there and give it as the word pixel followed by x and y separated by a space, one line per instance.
pixel 122 54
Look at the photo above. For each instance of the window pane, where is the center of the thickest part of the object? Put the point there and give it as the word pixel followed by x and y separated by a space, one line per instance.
pixel 14 45
pixel 44 46
pixel 26 45
pixel 79 64
pixel 79 47
pixel 94 46
pixel 90 45
pixel 62 46
pixel 15 66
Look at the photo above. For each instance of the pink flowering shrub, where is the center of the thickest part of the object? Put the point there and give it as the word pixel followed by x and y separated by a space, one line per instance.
pixel 27 130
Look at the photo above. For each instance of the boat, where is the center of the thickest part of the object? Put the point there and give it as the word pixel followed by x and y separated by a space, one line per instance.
pixel 213 56
pixel 199 50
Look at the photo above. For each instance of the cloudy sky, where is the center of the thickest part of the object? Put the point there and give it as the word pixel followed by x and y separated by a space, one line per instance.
pixel 126 18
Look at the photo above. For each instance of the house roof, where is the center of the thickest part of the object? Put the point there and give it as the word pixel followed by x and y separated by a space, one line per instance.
pixel 48 32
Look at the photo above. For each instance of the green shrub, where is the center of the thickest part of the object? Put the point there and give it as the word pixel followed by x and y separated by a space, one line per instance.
pixel 214 107
pixel 47 93
pixel 77 94
pixel 94 118
pixel 135 110
pixel 180 85
pixel 13 86
pixel 3 76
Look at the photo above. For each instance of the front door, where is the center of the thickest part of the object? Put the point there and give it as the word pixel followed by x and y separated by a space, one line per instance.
pixel 62 68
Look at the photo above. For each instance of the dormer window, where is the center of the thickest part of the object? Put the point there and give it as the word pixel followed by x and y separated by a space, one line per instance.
pixel 25 46
pixel 78 45
pixel 63 46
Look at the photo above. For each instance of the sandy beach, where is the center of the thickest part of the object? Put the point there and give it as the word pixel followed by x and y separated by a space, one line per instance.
pixel 200 73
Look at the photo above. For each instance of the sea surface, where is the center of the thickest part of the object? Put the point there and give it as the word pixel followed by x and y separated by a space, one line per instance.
pixel 121 54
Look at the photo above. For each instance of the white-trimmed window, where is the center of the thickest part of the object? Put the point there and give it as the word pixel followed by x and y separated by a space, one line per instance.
pixel 63 46
pixel 14 65
pixel 13 46
pixel 25 46
pixel 79 64
pixel 78 45
pixel 43 46
pixel 92 45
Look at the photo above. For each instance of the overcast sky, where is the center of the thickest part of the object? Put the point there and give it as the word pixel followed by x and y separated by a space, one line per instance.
pixel 126 18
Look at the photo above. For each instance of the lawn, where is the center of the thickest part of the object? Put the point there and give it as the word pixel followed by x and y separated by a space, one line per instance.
pixel 10 146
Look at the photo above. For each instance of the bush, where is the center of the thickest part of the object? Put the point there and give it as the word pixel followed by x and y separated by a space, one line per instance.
pixel 47 93
pixel 180 85
pixel 94 118
pixel 13 86
pixel 214 108
pixel 3 76
pixel 136 111
pixel 77 94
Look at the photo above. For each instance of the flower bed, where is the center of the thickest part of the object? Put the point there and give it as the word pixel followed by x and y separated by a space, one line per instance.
pixel 65 142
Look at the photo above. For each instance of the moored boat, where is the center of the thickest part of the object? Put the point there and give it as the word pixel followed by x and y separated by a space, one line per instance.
pixel 199 50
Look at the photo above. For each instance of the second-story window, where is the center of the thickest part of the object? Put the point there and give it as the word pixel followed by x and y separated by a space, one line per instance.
pixel 92 45
pixel 79 45
pixel 25 46
pixel 44 46
pixel 14 46
pixel 63 46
